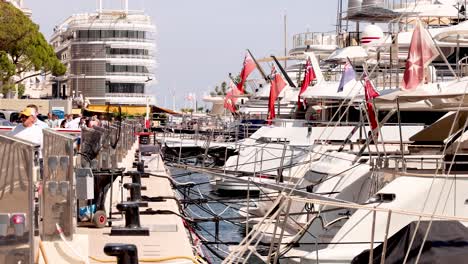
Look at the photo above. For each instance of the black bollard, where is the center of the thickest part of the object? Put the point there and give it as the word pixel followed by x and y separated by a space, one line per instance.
pixel 132 221
pixel 136 178
pixel 132 214
pixel 125 253
pixel 141 166
pixel 135 193
pixel 141 169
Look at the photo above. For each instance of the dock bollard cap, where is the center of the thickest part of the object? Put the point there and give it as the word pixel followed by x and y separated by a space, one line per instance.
pixel 125 253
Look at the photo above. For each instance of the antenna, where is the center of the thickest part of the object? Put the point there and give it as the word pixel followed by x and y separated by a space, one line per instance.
pixel 99 6
pixel 126 6
pixel 285 21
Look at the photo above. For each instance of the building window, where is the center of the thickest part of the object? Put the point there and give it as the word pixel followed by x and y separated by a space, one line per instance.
pixel 125 88
pixel 126 68
pixel 106 34
pixel 118 51
pixel 94 34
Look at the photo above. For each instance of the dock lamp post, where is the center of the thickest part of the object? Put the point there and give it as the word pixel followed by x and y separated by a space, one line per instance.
pixel 83 78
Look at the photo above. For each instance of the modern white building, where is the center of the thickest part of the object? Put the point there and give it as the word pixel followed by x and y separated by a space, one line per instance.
pixel 110 56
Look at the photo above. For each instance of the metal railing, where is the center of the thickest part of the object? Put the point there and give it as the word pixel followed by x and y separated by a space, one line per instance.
pixel 18 167
pixel 149 40
pixel 139 95
pixel 301 40
pixel 58 195
pixel 129 73
pixel 130 56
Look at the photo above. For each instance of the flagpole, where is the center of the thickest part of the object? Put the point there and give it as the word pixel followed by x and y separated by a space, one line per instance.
pixel 285 39
pixel 374 138
pixel 375 109
pixel 379 127
pixel 401 136
pixel 258 66
pixel 286 76
pixel 278 101
pixel 173 96
pixel 367 141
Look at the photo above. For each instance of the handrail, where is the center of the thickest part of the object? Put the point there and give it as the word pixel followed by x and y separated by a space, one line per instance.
pixel 139 40
pixel 314 38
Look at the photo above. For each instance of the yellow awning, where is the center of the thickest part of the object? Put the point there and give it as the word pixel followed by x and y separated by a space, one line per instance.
pixel 126 109
pixel 76 111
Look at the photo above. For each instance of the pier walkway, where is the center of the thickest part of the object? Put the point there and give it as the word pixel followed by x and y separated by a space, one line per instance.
pixel 168 241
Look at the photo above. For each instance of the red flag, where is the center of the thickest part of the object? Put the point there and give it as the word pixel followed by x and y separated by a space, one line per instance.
pixel 147 123
pixel 231 98
pixel 277 84
pixel 247 69
pixel 309 76
pixel 421 53
pixel 370 93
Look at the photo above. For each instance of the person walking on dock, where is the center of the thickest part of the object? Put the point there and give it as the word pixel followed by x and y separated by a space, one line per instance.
pixel 38 122
pixel 28 130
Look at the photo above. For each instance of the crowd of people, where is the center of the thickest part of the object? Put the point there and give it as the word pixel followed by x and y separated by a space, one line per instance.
pixel 31 126
pixel 78 122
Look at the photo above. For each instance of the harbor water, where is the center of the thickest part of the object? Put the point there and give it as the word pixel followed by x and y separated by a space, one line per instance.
pixel 231 228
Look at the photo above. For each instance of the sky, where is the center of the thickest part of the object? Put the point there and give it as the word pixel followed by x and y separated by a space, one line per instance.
pixel 199 42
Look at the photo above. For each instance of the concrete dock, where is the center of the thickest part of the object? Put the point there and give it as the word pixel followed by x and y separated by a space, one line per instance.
pixel 168 238
pixel 169 241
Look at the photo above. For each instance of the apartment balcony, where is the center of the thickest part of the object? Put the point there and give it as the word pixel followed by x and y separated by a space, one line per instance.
pixel 129 40
pixel 126 95
pixel 128 73
pixel 126 56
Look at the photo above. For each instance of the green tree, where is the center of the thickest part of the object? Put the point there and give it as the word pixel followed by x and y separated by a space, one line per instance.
pixel 23 49
pixel 21 89
pixel 237 78
pixel 186 110
pixel 7 67
pixel 222 89
pixel 6 88
pixel 217 91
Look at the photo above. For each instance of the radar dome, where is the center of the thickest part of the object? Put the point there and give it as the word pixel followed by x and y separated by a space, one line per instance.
pixel 371 35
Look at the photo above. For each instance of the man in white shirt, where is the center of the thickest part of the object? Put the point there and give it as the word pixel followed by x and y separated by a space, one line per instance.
pixel 38 122
pixel 73 123
pixel 27 130
pixel 54 122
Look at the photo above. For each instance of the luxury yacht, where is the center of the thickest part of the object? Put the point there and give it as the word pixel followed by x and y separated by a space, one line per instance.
pixel 385 182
